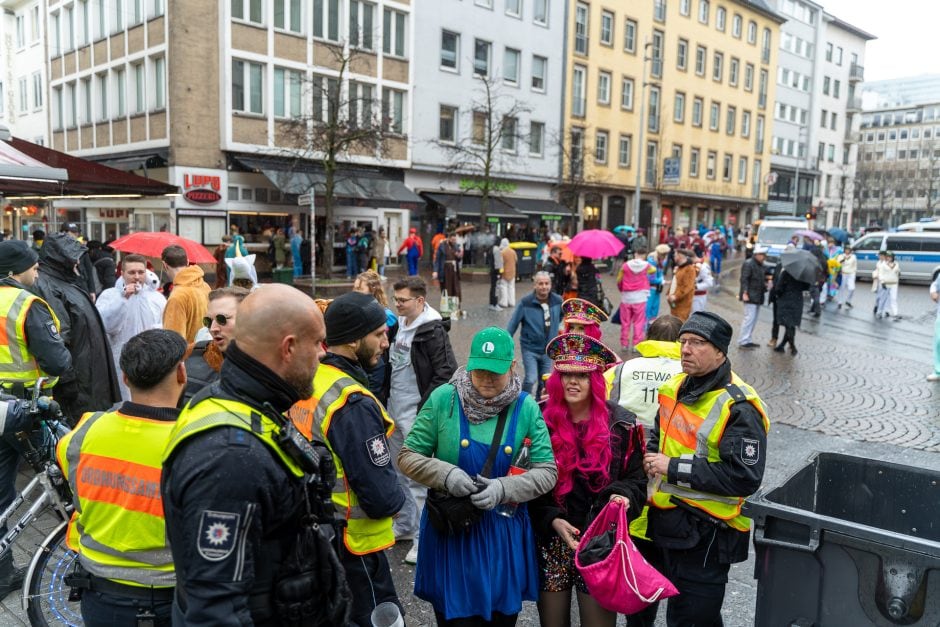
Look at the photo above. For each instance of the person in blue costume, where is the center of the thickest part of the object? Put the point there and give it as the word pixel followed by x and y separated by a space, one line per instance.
pixel 482 575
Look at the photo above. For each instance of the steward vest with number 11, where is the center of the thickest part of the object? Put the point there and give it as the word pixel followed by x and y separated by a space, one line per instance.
pixel 695 430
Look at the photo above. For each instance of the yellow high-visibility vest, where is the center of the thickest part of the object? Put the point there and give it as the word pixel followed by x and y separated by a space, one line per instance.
pixel 113 463
pixel 17 364
pixel 681 430
pixel 331 390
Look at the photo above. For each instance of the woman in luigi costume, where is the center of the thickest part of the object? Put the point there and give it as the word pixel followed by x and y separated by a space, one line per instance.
pixel 479 576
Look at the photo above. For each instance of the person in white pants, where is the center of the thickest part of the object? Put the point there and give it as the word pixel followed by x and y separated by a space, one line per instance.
pixel 887 273
pixel 753 288
pixel 849 263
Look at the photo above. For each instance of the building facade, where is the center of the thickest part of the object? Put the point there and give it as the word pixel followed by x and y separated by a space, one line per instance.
pixel 23 70
pixel 815 115
pixel 672 99
pixel 240 127
pixel 487 121
pixel 898 177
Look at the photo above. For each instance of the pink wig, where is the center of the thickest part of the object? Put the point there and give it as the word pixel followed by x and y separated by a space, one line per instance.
pixel 592 436
pixel 593 331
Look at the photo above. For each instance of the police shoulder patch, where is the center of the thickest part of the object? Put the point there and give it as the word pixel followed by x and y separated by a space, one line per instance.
pixel 750 451
pixel 217 534
pixel 377 446
pixel 54 331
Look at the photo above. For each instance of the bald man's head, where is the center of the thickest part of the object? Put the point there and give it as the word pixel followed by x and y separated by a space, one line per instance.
pixel 282 328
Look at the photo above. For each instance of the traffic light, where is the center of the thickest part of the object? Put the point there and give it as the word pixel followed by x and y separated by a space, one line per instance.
pixel 810 213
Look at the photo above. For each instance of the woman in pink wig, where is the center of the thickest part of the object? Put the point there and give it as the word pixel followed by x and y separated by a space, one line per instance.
pixel 598 451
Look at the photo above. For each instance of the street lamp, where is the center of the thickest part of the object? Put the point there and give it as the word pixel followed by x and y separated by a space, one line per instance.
pixel 640 152
pixel 796 182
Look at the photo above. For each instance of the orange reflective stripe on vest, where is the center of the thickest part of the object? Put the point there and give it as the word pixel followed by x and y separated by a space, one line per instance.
pixel 120 482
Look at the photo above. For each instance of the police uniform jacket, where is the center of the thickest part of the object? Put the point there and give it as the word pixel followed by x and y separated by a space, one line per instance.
pixel 232 507
pixel 354 425
pixel 739 473
pixel 42 336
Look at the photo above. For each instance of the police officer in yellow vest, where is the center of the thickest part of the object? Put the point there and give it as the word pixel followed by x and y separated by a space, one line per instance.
pixel 113 462
pixel 30 348
pixel 706 453
pixel 234 496
pixel 344 414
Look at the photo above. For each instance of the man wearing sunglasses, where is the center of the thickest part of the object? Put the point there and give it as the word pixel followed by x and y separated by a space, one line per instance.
pixel 130 307
pixel 205 362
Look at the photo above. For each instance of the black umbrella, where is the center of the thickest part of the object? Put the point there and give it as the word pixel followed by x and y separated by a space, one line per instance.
pixel 801 264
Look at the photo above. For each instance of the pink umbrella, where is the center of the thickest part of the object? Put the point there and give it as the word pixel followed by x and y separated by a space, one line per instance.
pixel 595 244
pixel 813 235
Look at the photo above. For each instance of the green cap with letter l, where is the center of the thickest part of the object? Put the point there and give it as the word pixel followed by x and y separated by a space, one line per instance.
pixel 492 350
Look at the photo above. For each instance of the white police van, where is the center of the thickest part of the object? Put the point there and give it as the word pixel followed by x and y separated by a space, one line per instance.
pixel 918 252
pixel 774 234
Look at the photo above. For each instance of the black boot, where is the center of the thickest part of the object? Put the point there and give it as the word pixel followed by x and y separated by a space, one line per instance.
pixel 793 350
pixel 11 577
pixel 779 348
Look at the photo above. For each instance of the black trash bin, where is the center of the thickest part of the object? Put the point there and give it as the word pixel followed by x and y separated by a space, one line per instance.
pixel 848 541
pixel 525 259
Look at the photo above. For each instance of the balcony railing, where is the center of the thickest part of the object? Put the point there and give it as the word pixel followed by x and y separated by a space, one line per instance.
pixel 852 137
pixel 854 104
pixel 856 73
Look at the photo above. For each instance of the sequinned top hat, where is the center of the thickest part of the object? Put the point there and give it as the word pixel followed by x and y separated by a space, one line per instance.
pixel 580 311
pixel 573 352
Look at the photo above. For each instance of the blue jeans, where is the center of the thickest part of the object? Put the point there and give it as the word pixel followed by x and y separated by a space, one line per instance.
pixel 536 365
pixel 716 264
pixel 352 264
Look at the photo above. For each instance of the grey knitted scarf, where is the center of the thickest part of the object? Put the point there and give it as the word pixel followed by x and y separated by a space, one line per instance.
pixel 478 409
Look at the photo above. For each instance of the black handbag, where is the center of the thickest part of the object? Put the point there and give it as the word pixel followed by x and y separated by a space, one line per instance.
pixel 451 515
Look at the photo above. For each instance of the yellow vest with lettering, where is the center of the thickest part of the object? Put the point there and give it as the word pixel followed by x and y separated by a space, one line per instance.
pixel 331 390
pixel 688 431
pixel 17 365
pixel 113 463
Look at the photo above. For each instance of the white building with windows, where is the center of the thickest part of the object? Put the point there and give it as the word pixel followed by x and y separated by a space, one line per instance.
pixel 22 70
pixel 488 95
pixel 821 63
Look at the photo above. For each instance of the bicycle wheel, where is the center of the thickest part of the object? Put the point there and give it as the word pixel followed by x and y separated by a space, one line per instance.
pixel 46 595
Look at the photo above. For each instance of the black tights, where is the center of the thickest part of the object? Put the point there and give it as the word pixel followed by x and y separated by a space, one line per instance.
pixel 555 610
pixel 498 620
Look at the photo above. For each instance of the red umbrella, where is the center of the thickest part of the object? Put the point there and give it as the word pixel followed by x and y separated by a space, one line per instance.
pixel 152 245
pixel 596 244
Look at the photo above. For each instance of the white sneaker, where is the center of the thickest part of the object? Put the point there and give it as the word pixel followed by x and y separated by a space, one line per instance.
pixel 412 556
pixel 933 377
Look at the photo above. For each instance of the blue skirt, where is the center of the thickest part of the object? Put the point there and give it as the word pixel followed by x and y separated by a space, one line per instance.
pixel 492 567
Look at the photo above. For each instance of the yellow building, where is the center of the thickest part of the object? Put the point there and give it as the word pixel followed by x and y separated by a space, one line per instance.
pixel 705 86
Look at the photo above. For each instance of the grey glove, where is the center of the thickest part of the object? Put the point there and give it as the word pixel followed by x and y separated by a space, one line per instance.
pixel 459 483
pixel 490 496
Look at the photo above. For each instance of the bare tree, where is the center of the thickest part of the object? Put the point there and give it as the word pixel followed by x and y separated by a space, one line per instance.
pixel 493 144
pixel 578 175
pixel 344 119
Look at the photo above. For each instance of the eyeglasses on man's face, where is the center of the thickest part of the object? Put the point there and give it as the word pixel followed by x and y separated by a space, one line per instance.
pixel 220 319
pixel 402 300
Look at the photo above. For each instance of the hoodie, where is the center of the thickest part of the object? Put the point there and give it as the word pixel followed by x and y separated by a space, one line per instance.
pixel 509 261
pixel 123 318
pixel 404 404
pixel 188 303
pixel 634 281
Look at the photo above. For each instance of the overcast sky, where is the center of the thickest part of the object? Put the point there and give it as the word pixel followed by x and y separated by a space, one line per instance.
pixel 906 43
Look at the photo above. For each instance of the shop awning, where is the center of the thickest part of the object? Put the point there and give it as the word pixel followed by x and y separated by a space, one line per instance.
pixel 469 205
pixel 362 187
pixel 536 206
pixel 83 178
pixel 18 166
pixel 149 160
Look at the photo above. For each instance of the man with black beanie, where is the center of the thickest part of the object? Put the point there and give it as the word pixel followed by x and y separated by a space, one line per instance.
pixel 37 350
pixel 352 422
pixel 705 454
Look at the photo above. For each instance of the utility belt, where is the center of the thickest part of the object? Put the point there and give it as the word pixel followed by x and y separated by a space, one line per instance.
pixel 81 580
pixel 701 514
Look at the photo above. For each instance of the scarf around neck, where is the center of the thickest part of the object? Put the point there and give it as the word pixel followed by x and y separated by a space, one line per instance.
pixel 478 409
